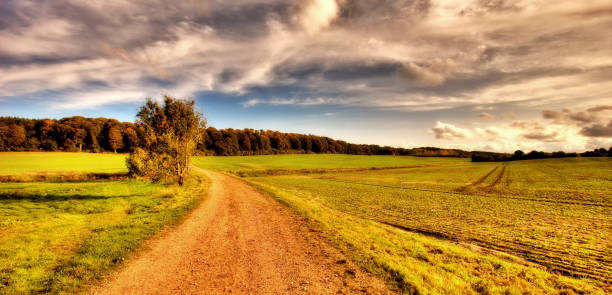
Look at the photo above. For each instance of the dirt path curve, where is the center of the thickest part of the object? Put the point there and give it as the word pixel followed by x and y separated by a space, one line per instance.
pixel 239 241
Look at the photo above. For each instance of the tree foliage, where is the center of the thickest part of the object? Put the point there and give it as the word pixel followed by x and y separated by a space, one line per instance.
pixel 172 133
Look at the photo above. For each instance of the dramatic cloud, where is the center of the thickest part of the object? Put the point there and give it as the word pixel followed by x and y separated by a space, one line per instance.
pixel 448 131
pixel 363 56
pixel 598 130
pixel 555 130
pixel 567 116
pixel 594 121
pixel 316 15
pixel 450 53
pixel 431 75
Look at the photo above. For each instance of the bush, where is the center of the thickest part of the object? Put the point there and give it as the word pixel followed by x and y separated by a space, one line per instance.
pixel 139 163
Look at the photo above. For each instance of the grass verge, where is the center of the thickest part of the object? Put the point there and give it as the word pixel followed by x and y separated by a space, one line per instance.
pixel 62 237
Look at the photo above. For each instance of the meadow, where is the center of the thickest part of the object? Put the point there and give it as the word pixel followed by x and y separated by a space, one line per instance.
pixel 426 225
pixel 38 162
pixel 432 225
pixel 60 237
pixel 312 163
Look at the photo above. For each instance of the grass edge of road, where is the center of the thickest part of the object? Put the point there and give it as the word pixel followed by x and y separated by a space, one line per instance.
pixel 110 246
pixel 415 264
pixel 176 219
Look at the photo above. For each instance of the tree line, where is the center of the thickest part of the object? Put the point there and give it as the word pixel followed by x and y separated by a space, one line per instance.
pixel 520 155
pixel 96 135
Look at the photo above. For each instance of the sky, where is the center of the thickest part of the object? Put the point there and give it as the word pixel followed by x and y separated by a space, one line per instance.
pixel 495 75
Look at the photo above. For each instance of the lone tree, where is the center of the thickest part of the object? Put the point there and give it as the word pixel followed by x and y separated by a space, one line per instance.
pixel 172 132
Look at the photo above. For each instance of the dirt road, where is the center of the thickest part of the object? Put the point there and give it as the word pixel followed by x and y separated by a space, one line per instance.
pixel 239 241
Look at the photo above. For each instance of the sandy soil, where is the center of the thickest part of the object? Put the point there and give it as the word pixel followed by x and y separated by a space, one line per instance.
pixel 239 241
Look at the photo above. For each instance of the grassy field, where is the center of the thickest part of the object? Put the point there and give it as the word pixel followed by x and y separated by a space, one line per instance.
pixel 60 237
pixel 427 225
pixel 255 164
pixel 455 226
pixel 33 162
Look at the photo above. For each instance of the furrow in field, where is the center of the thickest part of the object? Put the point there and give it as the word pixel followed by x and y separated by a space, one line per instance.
pixel 498 178
pixel 553 263
pixel 461 193
pixel 483 178
pixel 584 269
pixel 539 255
pixel 579 264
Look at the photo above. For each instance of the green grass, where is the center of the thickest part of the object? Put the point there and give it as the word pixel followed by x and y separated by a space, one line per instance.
pixel 313 161
pixel 30 162
pixel 60 237
pixel 461 227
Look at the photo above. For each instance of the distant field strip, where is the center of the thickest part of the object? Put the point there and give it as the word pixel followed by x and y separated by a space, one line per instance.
pixel 552 212
pixel 272 172
pixel 35 162
pixel 314 161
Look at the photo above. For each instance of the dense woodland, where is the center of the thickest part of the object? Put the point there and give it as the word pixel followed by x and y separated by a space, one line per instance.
pixel 109 135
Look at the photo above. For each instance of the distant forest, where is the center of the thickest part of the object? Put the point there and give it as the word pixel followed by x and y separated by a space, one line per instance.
pixel 109 135
pixel 520 155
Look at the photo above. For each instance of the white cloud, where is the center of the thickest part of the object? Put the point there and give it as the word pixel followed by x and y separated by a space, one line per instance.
pixel 316 15
pixel 309 101
pixel 545 134
pixel 92 100
pixel 449 131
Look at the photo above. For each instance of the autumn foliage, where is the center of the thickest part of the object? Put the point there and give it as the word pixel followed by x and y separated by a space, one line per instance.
pixel 171 134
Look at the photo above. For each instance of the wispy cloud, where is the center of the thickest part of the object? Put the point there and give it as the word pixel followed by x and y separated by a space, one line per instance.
pixel 290 101
pixel 390 55
pixel 193 47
